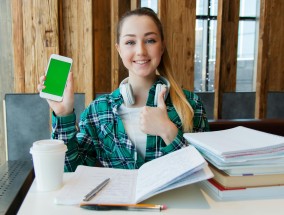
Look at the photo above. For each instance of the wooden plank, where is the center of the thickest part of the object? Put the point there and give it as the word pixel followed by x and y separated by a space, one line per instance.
pixel 40 32
pixel 226 51
pixel 114 54
pixel 118 72
pixel 135 4
pixel 87 50
pixel 29 43
pixel 262 60
pixel 178 18
pixel 69 30
pixel 276 46
pixel 18 41
pixel 102 46
pixel 77 43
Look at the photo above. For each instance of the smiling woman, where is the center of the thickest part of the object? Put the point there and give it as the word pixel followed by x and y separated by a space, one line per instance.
pixel 144 118
pixel 84 30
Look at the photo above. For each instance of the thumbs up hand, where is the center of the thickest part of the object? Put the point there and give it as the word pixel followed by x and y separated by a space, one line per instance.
pixel 155 120
pixel 161 98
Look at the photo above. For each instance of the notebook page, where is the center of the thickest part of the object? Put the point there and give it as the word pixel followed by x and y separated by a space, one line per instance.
pixel 198 176
pixel 235 140
pixel 162 171
pixel 120 189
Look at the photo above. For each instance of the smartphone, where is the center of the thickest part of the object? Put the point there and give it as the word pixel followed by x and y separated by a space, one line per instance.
pixel 56 74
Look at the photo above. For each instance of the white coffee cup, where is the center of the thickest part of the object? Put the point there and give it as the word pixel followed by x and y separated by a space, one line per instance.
pixel 48 159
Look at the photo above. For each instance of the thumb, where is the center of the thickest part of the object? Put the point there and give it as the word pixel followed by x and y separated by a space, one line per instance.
pixel 161 98
pixel 70 82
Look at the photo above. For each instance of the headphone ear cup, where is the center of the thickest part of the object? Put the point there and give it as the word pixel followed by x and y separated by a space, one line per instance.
pixel 159 88
pixel 157 91
pixel 127 94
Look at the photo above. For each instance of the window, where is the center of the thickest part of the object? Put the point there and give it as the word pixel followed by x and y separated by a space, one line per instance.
pixel 153 4
pixel 205 45
pixel 205 48
pixel 247 45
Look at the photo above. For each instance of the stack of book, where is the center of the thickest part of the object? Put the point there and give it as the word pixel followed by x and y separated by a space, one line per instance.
pixel 246 163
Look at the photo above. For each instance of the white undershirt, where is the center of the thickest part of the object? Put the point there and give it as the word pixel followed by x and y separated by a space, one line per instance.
pixel 130 118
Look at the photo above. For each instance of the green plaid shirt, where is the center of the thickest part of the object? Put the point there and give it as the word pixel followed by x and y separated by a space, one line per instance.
pixel 102 136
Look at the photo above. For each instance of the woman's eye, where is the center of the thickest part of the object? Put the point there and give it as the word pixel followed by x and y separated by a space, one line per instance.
pixel 150 41
pixel 130 43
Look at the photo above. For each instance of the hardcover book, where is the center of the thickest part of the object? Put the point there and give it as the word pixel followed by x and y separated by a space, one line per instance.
pixel 219 192
pixel 246 180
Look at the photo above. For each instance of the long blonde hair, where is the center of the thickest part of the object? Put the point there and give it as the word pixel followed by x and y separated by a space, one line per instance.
pixel 178 98
pixel 183 108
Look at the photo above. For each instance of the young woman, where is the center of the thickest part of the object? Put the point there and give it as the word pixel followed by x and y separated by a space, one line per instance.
pixel 144 118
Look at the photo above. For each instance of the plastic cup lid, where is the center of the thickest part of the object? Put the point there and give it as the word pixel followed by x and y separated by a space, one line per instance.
pixel 48 145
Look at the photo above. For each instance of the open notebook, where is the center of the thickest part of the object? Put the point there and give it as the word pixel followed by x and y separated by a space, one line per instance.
pixel 179 168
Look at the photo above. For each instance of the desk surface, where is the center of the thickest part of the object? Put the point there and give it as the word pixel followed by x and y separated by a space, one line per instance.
pixel 185 200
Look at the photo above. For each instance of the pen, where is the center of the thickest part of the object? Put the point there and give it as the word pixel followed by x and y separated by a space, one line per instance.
pixel 97 189
pixel 129 207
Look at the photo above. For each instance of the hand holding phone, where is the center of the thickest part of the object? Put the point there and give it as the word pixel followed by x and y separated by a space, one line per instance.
pixel 56 77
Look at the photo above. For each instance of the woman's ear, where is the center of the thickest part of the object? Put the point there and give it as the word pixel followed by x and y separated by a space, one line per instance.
pixel 163 47
pixel 117 48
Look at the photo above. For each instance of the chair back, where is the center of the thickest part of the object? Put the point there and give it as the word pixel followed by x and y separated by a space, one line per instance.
pixel 27 120
pixel 79 104
pixel 207 99
pixel 238 105
pixel 275 105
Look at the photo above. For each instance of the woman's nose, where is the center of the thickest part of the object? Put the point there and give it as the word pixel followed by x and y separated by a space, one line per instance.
pixel 140 49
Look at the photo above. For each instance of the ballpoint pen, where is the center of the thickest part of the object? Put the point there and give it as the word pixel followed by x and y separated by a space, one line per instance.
pixel 97 189
pixel 129 207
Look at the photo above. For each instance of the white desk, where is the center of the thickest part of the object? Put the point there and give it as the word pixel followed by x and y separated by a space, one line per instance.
pixel 186 200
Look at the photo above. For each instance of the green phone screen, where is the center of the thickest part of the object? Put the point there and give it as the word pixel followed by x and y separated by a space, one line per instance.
pixel 56 77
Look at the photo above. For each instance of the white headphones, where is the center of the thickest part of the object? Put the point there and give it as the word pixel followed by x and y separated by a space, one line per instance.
pixel 127 92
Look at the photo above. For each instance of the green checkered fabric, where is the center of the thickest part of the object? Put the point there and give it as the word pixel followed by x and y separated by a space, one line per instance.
pixel 101 134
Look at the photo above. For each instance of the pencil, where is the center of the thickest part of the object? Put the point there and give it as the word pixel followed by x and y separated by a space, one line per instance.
pixel 128 207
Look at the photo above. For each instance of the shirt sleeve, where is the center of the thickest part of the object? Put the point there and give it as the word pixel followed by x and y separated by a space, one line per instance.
pixel 178 143
pixel 80 149
pixel 200 124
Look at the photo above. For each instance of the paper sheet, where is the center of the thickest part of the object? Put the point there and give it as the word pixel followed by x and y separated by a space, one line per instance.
pixel 166 169
pixel 235 141
pixel 120 189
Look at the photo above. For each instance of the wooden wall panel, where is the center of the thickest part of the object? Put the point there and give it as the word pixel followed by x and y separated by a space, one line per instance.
pixel 36 35
pixel 226 51
pixel 77 42
pixel 135 4
pixel 118 71
pixel 276 46
pixel 262 61
pixel 178 18
pixel 40 39
pixel 102 46
pixel 270 62
pixel 18 41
